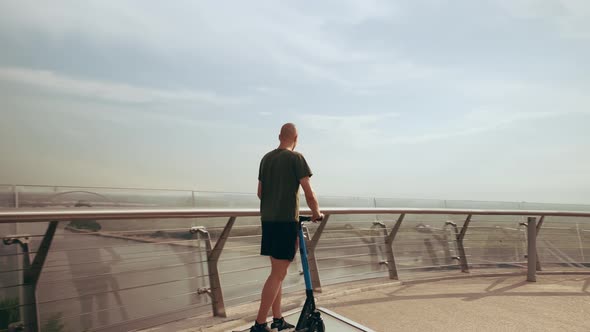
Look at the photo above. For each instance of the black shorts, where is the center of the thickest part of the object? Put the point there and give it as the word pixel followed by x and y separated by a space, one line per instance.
pixel 279 239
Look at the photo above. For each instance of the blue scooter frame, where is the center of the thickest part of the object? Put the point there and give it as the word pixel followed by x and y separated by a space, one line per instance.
pixel 310 319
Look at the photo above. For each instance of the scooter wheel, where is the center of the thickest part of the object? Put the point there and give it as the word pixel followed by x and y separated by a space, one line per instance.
pixel 317 325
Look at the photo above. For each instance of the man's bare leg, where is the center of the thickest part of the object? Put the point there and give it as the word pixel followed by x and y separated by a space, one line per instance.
pixel 276 305
pixel 272 287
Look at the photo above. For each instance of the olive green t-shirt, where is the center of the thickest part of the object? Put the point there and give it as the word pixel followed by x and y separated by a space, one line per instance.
pixel 280 172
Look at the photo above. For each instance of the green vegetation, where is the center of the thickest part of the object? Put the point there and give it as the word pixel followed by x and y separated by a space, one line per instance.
pixel 90 225
pixel 8 312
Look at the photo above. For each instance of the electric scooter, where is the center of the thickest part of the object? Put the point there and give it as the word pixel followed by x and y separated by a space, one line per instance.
pixel 310 319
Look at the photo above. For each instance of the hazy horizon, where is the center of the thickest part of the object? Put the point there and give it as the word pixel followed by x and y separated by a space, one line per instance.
pixel 404 99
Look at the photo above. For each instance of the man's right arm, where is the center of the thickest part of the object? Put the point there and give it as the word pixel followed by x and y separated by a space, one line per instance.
pixel 310 197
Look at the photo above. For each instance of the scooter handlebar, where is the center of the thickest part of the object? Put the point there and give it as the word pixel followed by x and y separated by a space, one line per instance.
pixel 308 218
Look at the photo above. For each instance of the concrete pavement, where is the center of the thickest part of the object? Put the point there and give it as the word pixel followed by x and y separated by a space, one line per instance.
pixel 475 303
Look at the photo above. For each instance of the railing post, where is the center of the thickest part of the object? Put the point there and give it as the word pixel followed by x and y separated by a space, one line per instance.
pixel 539 224
pixel 580 243
pixel 16 198
pixel 313 264
pixel 532 249
pixel 213 254
pixel 461 247
pixel 389 248
pixel 444 243
pixel 201 230
pixel 28 296
pixel 30 274
pixel 374 248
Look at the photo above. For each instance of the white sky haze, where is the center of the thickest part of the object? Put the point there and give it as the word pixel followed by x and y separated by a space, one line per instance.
pixel 482 100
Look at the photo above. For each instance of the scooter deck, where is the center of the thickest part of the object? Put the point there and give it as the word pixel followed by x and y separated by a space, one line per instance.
pixel 332 320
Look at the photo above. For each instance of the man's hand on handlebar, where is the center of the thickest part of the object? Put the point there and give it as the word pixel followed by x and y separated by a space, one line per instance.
pixel 314 218
pixel 317 217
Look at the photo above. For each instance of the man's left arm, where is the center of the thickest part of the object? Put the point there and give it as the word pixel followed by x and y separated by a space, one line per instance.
pixel 259 191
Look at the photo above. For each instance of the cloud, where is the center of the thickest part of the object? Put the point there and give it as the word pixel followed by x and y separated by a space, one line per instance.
pixel 189 25
pixel 570 17
pixel 339 122
pixel 473 123
pixel 334 59
pixel 285 38
pixel 367 131
pixel 107 91
pixel 102 22
pixel 358 129
pixel 503 106
pixel 362 77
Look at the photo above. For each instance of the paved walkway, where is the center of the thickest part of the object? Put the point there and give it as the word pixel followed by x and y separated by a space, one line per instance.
pixel 501 303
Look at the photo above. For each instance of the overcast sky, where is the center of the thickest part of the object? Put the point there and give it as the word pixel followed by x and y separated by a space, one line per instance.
pixel 483 100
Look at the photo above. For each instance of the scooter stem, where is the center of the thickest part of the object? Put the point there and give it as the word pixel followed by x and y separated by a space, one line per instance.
pixel 305 265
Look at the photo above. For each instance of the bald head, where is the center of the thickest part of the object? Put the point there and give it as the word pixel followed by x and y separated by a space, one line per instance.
pixel 288 132
pixel 288 136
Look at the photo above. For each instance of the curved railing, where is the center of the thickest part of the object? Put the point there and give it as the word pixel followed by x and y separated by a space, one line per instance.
pixel 371 242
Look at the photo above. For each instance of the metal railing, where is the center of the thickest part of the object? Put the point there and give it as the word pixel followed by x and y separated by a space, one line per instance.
pixel 32 271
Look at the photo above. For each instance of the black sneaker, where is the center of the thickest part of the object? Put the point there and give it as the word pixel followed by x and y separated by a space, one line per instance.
pixel 260 327
pixel 279 324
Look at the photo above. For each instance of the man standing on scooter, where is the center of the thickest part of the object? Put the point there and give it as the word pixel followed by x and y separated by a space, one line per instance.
pixel 281 173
